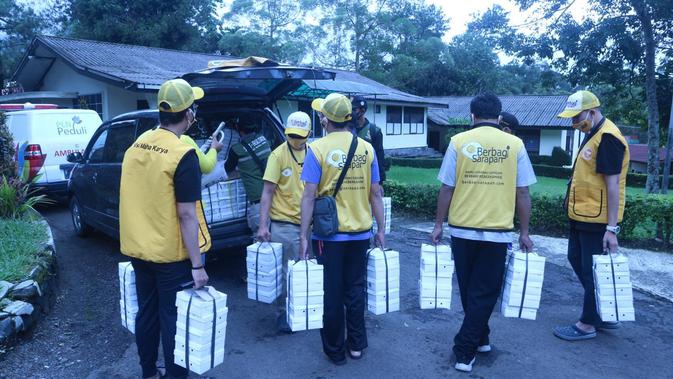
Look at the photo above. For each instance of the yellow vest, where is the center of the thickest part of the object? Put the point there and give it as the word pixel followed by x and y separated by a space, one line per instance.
pixel 588 196
pixel 148 217
pixel 282 170
pixel 486 168
pixel 352 200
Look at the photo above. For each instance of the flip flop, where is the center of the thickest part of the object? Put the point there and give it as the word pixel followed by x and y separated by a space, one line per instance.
pixel 573 333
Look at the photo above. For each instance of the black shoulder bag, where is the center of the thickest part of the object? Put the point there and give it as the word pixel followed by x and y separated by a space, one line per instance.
pixel 325 217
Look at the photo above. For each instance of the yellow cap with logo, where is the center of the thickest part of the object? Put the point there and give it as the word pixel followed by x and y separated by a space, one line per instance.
pixel 176 95
pixel 336 107
pixel 298 123
pixel 578 102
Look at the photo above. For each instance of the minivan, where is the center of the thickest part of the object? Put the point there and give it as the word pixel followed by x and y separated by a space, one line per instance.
pixel 231 93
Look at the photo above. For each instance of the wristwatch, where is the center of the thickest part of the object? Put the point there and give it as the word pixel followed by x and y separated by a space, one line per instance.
pixel 613 229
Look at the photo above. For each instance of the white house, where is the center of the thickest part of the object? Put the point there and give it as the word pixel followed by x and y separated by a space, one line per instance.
pixel 114 78
pixel 540 128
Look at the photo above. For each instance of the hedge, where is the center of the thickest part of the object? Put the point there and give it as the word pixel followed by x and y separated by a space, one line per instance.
pixel 647 217
pixel 632 180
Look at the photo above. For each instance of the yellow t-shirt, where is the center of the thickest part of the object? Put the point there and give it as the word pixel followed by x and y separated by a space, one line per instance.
pixel 285 172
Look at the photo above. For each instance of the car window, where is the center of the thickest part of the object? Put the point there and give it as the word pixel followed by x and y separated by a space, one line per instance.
pixel 96 153
pixel 145 124
pixel 120 136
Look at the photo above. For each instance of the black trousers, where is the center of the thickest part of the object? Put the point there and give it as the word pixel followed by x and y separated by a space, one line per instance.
pixel 480 266
pixel 157 285
pixel 582 245
pixel 345 265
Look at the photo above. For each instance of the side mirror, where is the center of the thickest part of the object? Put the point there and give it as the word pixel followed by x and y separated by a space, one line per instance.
pixel 75 157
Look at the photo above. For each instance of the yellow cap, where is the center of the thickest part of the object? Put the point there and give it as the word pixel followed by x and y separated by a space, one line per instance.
pixel 298 123
pixel 336 107
pixel 176 95
pixel 578 102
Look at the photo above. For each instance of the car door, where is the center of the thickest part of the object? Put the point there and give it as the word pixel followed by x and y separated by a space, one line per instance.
pixel 121 135
pixel 84 178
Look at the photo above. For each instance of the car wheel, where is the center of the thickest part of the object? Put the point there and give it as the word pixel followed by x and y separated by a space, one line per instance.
pixel 82 229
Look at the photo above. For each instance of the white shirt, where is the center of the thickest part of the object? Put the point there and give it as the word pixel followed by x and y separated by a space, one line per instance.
pixel 525 176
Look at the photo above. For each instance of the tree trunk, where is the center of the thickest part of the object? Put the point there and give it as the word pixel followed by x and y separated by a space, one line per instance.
pixel 645 18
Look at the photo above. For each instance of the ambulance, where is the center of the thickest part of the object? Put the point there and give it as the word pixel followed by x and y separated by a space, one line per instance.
pixel 44 135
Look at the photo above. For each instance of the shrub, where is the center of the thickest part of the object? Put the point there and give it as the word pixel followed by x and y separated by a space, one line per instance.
pixel 16 198
pixel 417 162
pixel 7 164
pixel 647 217
pixel 552 171
pixel 559 157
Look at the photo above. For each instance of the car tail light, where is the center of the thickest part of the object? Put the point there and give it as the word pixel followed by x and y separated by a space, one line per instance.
pixel 33 154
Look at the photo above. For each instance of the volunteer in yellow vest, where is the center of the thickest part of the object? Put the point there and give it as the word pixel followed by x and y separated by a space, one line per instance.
pixel 344 254
pixel 594 202
pixel 485 177
pixel 281 198
pixel 161 221
pixel 208 159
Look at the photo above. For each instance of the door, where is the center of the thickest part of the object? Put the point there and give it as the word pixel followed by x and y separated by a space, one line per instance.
pixel 84 178
pixel 121 135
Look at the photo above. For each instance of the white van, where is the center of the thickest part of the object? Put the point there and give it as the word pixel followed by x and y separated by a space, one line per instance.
pixel 43 139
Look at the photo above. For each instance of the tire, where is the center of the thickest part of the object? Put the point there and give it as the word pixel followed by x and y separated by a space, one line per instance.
pixel 82 229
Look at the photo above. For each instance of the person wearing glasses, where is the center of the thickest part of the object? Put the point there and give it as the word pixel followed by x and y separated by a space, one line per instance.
pixel 281 198
pixel 162 226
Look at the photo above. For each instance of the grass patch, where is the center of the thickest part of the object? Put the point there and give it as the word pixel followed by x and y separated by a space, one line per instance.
pixel 21 245
pixel 552 186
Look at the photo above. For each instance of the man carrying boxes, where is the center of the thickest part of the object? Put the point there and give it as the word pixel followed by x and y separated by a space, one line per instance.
pixel 342 224
pixel 594 203
pixel 281 198
pixel 485 177
pixel 162 226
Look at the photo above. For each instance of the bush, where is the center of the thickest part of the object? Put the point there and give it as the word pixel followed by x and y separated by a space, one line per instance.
pixel 647 217
pixel 7 164
pixel 559 157
pixel 16 198
pixel 417 162
pixel 552 171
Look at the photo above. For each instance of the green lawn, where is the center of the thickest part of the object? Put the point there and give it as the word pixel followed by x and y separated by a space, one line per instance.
pixel 413 175
pixel 20 244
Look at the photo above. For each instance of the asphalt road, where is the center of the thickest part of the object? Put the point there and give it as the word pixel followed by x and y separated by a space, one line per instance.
pixel 82 337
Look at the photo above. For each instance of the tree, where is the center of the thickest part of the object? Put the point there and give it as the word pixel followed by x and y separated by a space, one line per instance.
pixel 178 24
pixel 18 25
pixel 618 44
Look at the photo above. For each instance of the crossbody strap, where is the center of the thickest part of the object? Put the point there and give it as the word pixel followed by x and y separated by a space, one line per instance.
pixel 344 170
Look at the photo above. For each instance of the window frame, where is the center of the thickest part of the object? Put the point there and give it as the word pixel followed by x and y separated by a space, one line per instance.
pixel 394 128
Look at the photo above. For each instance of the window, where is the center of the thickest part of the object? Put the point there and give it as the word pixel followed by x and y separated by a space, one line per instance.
pixel 96 153
pixel 145 124
pixel 142 104
pixel 377 109
pixel 531 139
pixel 120 137
pixel 93 102
pixel 569 140
pixel 393 120
pixel 414 118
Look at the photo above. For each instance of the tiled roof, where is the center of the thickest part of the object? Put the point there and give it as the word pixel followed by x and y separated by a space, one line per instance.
pixel 638 153
pixel 530 110
pixel 146 66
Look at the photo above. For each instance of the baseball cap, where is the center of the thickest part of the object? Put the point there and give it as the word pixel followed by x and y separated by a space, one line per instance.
pixel 176 95
pixel 336 107
pixel 298 123
pixel 359 102
pixel 578 102
pixel 509 120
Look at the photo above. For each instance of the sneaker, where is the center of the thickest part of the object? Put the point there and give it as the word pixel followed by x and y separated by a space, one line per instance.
pixel 463 366
pixel 484 349
pixel 605 325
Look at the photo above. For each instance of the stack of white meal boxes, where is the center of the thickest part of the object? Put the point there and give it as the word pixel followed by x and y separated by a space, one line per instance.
pixel 614 293
pixel 383 281
pixel 436 275
pixel 387 212
pixel 522 289
pixel 128 304
pixel 304 302
pixel 225 200
pixel 200 329
pixel 265 270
